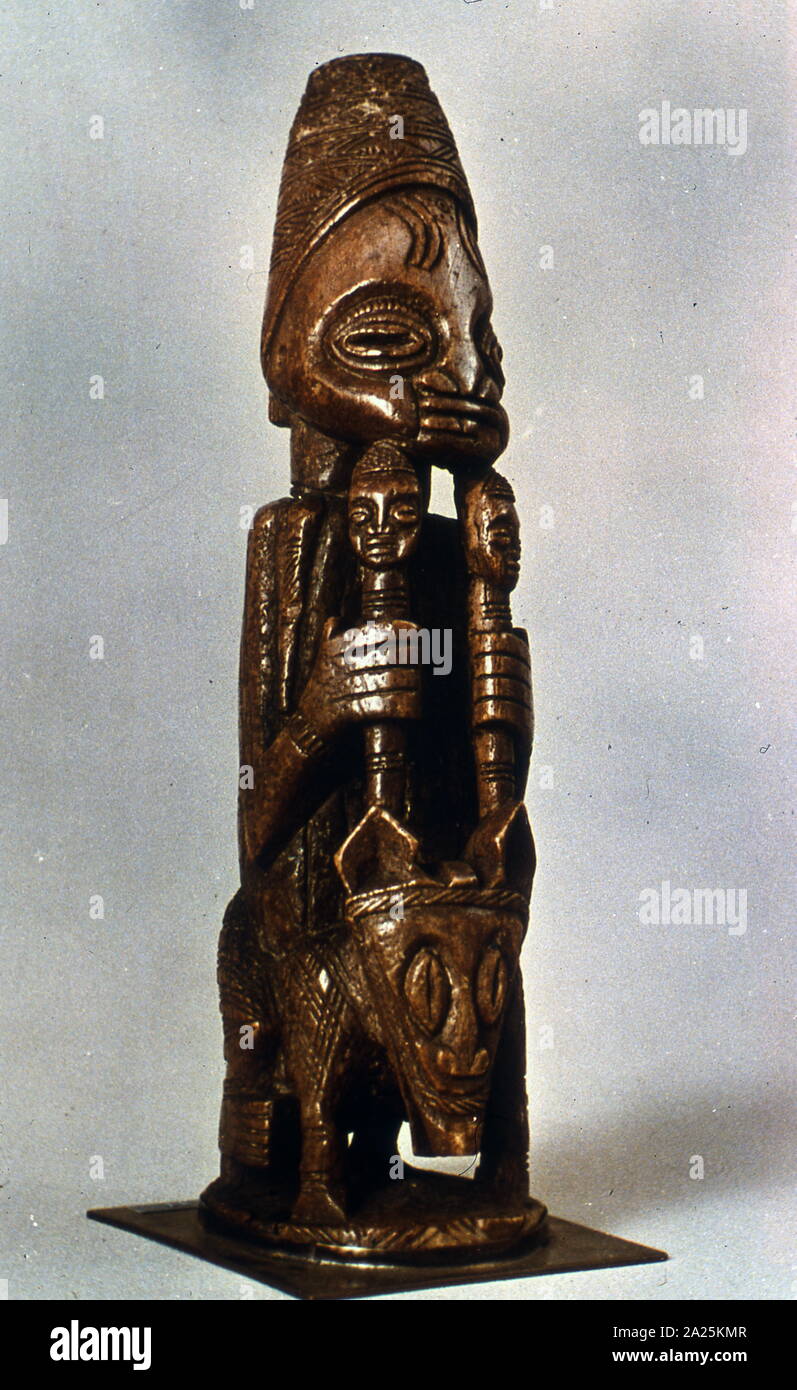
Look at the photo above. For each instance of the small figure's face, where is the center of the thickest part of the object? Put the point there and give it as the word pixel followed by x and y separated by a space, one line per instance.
pixel 492 540
pixel 386 334
pixel 384 518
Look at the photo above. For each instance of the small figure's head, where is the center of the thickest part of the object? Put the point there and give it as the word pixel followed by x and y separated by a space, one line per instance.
pixel 491 531
pixel 385 507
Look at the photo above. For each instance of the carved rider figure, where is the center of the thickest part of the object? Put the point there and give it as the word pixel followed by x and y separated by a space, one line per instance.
pixel 380 358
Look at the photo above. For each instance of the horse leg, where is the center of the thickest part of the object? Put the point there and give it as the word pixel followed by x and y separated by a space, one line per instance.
pixel 322 1198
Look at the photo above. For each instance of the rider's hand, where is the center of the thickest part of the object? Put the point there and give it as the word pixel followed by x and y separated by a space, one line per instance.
pixel 362 675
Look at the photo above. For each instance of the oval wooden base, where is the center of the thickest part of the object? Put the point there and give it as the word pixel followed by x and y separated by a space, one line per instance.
pixel 424 1216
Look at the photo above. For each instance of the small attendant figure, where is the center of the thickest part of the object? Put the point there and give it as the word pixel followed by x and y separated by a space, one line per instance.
pixel 385 516
pixel 500 665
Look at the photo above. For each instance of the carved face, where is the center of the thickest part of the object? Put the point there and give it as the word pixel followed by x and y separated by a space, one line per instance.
pixel 492 538
pixel 384 516
pixel 386 334
pixel 441 977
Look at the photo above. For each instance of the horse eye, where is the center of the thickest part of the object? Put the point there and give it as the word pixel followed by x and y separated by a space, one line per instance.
pixel 427 991
pixel 492 979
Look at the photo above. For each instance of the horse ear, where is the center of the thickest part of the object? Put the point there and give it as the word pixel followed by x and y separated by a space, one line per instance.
pixel 501 849
pixel 378 852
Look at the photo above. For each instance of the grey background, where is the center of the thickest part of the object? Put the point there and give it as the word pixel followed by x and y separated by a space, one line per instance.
pixel 672 519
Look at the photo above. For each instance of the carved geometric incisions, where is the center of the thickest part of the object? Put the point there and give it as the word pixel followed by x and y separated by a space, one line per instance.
pixel 369 964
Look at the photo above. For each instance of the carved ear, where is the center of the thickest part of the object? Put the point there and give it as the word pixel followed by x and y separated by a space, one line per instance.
pixel 501 849
pixel 377 853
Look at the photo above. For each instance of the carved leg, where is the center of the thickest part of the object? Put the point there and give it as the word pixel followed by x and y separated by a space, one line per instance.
pixel 245 1129
pixel 246 1113
pixel 321 1197
pixel 317 1021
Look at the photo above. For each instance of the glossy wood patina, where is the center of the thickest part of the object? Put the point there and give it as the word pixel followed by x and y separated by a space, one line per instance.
pixel 368 966
pixel 369 963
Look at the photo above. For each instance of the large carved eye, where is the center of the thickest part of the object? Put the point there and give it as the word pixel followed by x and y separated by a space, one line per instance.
pixel 427 990
pixel 382 335
pixel 492 978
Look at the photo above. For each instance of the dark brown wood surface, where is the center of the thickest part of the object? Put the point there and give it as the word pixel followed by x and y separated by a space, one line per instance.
pixel 369 963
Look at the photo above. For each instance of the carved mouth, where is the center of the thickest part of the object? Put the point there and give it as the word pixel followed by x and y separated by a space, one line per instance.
pixel 461 416
pixel 380 549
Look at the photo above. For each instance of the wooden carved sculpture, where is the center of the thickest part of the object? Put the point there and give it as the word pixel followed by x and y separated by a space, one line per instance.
pixel 368 965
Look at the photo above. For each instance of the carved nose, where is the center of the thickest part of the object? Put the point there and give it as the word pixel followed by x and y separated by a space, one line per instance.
pixel 460 371
pixel 382 523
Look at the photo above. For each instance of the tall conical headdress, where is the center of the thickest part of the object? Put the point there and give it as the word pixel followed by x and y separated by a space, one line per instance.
pixel 342 153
